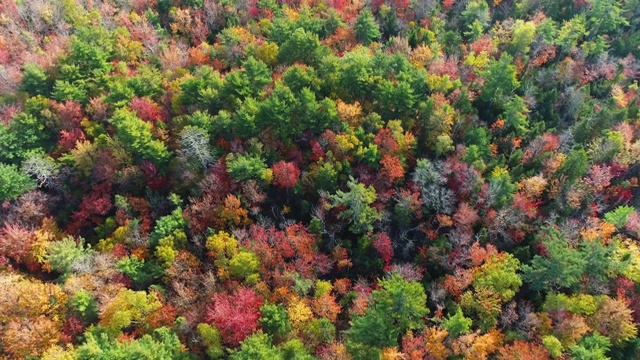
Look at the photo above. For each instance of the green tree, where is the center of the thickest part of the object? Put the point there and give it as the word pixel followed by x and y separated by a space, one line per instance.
pixel 302 46
pixel 592 347
pixel 35 80
pixel 161 345
pixel 560 268
pixel 500 80
pixel 257 347
pixel 136 136
pixel 499 274
pixel 211 339
pixel 457 324
pixel 245 265
pixel 357 201
pixel 61 255
pixel 13 182
pixel 366 27
pixel 397 307
pixel 274 320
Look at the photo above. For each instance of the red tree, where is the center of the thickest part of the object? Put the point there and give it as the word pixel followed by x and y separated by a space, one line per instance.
pixel 285 174
pixel 236 316
pixel 382 243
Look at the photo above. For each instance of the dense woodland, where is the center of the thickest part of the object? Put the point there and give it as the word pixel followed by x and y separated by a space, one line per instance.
pixel 319 179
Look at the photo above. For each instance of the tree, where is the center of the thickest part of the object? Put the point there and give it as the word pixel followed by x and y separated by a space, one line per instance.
pixel 499 273
pixel 211 339
pixel 302 46
pixel 366 28
pixel 358 210
pixel 274 320
pixel 161 344
pixel 285 174
pixel 397 307
pixel 522 350
pixel 236 316
pixel 129 308
pixel 13 182
pixel 457 324
pixel 500 80
pixel 194 142
pixel 257 347
pixel 614 320
pixel 559 267
pixel 592 347
pixel 136 136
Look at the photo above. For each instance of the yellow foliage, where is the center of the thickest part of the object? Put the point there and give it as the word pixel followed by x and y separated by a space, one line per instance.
pixel 347 142
pixel 298 311
pixel 391 353
pixel 421 55
pixel 350 113
pixel 222 245
pixel 475 347
pixel 618 95
pixel 628 252
pixel 434 343
pixel 534 186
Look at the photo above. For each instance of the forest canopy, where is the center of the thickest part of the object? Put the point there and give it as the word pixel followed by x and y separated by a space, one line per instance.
pixel 319 179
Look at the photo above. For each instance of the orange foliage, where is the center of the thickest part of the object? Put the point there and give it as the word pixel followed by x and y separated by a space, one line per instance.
pixel 392 168
pixel 326 306
pixel 233 213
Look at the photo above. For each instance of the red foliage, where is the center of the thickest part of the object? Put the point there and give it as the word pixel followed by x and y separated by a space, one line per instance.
pixel 385 141
pixel 382 243
pixel 70 114
pixel 147 110
pixel 447 4
pixel 92 208
pixel 392 168
pixel 68 139
pixel 285 174
pixel 236 316
pixel 165 316
pixel 15 242
pixel 71 329
pixel 465 217
pixel 522 350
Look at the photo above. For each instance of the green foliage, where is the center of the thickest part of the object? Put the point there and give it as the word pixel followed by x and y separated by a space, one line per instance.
pixel 136 136
pixel 302 46
pixel 85 305
pixel 162 344
pixel 13 182
pixel 211 339
pixel 142 273
pixel 294 350
pixel 61 255
pixel 35 80
pixel 397 307
pixel 457 324
pixel 619 216
pixel 553 345
pixel 128 308
pixel 257 347
pixel 501 81
pixel 499 274
pixel 562 267
pixel 366 28
pixel 357 201
pixel 591 347
pixel 274 320
pixel 245 167
pixel 245 266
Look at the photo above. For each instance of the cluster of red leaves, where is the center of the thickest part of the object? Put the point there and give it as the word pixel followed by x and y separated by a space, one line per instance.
pixel 236 316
